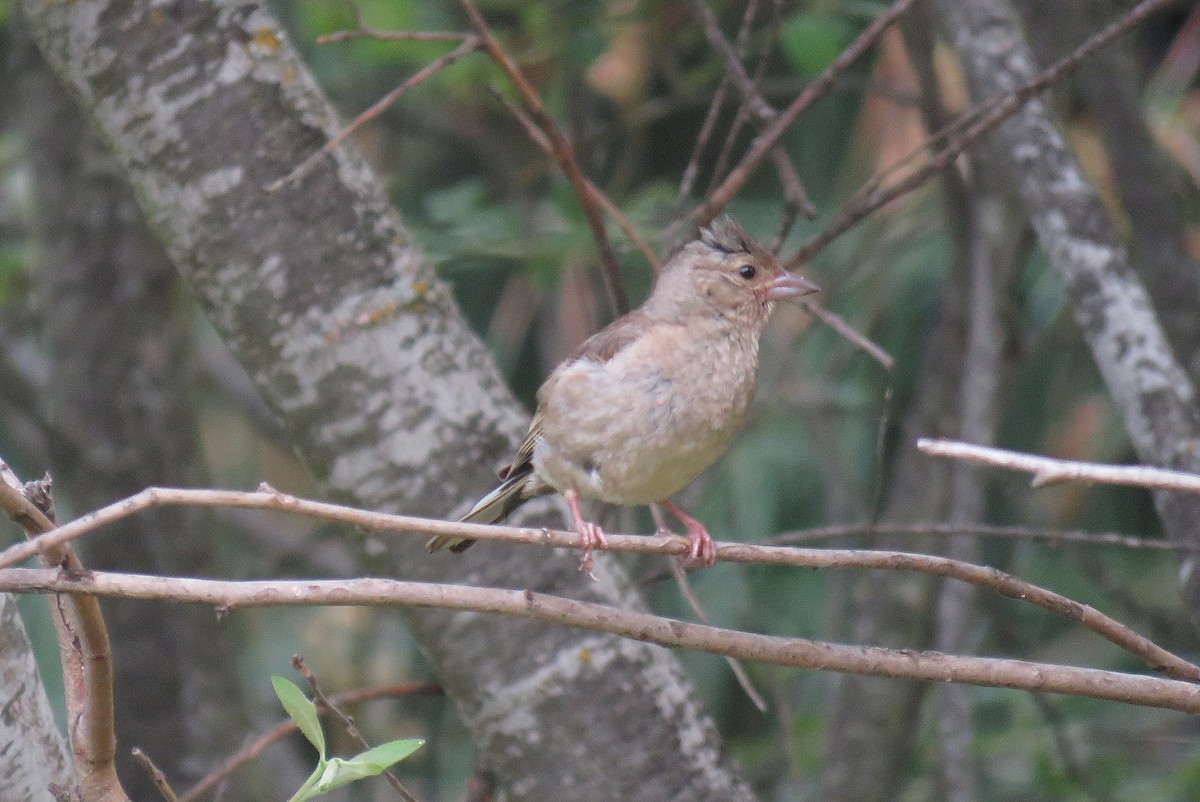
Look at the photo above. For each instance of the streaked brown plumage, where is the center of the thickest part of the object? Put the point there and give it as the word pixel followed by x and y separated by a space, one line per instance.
pixel 650 401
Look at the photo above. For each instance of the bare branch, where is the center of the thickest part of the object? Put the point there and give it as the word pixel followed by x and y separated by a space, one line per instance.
pixel 470 44
pixel 563 154
pixel 762 144
pixel 793 652
pixel 685 590
pixel 1049 471
pixel 85 653
pixel 836 322
pixel 159 779
pixel 964 132
pixel 1005 584
pixel 543 142
pixel 1053 536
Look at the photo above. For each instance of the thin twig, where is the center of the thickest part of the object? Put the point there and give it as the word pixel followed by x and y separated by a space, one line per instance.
pixel 267 498
pixel 974 125
pixel 347 723
pixel 714 107
pixel 156 775
pixel 564 154
pixel 735 665
pixel 1053 536
pixel 253 749
pixel 363 31
pixel 720 197
pixel 1049 471
pixel 392 36
pixel 470 44
pixel 227 595
pixel 753 105
pixel 623 222
pixel 838 324
pixel 685 590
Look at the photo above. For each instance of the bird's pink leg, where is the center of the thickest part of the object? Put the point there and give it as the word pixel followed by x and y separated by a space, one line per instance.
pixel 591 534
pixel 702 547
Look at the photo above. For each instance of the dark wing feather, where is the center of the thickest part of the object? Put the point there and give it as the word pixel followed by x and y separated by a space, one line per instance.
pixel 613 338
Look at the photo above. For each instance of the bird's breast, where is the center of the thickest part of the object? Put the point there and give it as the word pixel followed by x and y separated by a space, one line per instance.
pixel 643 425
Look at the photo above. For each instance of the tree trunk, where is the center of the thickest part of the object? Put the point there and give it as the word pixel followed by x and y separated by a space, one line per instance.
pixel 357 345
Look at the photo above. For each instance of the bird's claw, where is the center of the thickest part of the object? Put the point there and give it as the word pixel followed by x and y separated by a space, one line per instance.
pixel 701 548
pixel 591 537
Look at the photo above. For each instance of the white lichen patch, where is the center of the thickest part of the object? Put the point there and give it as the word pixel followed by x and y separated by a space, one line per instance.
pixel 274 275
pixel 506 711
pixel 236 66
pixel 218 182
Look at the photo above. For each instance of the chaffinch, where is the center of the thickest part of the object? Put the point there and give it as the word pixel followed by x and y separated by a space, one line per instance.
pixel 650 401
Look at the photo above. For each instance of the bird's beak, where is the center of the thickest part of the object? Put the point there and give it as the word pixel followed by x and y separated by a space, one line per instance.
pixel 789 287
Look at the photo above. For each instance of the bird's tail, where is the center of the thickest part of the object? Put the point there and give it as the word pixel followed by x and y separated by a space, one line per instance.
pixel 495 506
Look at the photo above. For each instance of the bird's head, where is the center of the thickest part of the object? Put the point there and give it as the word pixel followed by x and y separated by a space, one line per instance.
pixel 726 272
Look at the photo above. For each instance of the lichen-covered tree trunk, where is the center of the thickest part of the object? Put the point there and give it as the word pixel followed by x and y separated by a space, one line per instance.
pixel 379 384
pixel 121 418
pixel 35 757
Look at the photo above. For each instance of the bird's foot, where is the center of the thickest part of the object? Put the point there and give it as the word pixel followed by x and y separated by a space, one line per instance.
pixel 592 537
pixel 702 550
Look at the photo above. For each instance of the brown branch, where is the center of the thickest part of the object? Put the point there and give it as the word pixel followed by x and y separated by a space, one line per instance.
pixel 470 44
pixel 255 748
pixel 688 181
pixel 543 142
pixel 1053 536
pixel 838 324
pixel 227 595
pixel 391 36
pixel 1050 471
pixel 563 154
pixel 84 651
pixel 720 197
pixel 156 775
pixel 347 723
pixel 735 665
pixel 685 590
pixel 753 105
pixel 974 125
pixel 997 581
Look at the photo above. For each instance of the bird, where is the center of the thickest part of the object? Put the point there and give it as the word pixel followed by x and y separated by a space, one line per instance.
pixel 649 402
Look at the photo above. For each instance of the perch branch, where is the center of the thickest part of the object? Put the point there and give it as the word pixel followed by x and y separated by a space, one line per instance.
pixel 266 498
pixel 227 595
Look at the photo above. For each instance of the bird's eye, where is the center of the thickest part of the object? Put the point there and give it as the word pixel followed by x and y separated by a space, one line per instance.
pixel 747 272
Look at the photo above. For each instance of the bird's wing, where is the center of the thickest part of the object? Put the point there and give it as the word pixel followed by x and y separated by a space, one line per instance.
pixel 613 338
pixel 522 462
pixel 599 348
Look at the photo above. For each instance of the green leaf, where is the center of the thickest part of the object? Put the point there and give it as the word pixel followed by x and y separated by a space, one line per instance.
pixel 391 752
pixel 339 771
pixel 302 711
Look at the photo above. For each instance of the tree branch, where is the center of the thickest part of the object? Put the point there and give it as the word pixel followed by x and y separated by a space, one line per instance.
pixel 1049 471
pixel 85 653
pixel 1005 584
pixel 227 595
